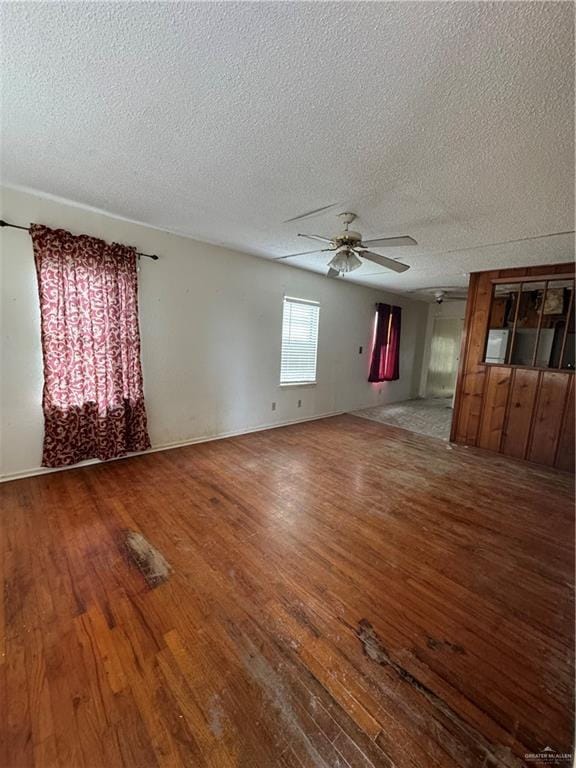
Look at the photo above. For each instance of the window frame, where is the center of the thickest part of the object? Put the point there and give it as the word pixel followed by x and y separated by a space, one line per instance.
pixel 521 283
pixel 307 382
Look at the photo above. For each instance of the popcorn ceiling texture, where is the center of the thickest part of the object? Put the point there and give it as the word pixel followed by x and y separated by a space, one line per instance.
pixel 452 122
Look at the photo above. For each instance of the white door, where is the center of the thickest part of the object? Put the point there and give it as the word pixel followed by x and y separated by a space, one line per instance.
pixel 444 356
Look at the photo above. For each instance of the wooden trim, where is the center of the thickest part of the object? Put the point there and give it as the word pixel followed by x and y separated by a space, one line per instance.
pixel 528 367
pixel 570 305
pixel 539 328
pixel 552 270
pixel 487 334
pixel 533 278
pixel 462 366
pixel 513 339
pixel 476 368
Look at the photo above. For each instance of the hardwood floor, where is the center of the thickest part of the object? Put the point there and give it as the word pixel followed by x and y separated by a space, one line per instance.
pixel 342 593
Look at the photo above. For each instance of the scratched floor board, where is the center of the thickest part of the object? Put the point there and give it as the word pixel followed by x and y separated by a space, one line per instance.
pixel 343 594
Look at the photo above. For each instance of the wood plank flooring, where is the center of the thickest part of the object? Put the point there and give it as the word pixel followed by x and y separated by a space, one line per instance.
pixel 342 594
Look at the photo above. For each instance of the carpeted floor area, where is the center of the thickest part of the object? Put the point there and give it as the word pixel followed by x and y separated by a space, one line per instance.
pixel 426 416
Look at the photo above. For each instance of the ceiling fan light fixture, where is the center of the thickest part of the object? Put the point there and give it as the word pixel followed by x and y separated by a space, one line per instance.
pixel 345 260
pixel 348 245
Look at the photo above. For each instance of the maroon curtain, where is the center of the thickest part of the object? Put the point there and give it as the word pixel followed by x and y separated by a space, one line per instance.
pixel 93 397
pixel 385 364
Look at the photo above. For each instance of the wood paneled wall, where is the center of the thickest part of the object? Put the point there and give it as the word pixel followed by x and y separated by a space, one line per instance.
pixel 523 412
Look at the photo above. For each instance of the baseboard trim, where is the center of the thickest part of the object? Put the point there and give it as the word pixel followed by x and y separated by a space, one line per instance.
pixel 36 471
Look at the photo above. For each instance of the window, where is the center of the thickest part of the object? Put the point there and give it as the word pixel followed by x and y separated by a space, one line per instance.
pixel 385 363
pixel 299 341
pixel 531 324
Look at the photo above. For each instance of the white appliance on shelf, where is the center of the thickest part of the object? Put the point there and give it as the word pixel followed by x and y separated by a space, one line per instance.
pixel 497 345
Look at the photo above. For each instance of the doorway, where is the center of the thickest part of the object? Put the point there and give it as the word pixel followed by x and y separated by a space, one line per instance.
pixel 444 357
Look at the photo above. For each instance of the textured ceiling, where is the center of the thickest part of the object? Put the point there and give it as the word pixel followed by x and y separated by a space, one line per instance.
pixel 451 122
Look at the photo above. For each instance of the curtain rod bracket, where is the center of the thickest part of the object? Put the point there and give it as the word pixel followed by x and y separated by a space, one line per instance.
pixel 27 229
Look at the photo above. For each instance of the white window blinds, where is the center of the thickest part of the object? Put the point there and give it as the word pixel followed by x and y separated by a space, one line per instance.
pixel 299 341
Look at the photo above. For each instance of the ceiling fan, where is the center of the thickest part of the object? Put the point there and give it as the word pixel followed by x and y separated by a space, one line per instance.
pixel 442 294
pixel 348 247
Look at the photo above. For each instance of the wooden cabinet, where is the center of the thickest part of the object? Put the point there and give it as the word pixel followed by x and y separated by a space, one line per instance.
pixel 520 411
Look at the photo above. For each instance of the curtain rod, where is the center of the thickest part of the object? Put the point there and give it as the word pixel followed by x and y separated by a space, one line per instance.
pixel 27 229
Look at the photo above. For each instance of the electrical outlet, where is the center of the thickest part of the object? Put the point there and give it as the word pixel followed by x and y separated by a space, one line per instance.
pixel 273 406
pixel 299 403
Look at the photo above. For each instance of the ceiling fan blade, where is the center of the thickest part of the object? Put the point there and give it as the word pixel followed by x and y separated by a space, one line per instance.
pixel 305 253
pixel 316 237
pixel 395 266
pixel 332 273
pixel 308 214
pixel 390 242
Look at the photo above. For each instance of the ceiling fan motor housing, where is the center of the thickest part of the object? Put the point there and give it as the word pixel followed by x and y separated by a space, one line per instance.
pixel 348 238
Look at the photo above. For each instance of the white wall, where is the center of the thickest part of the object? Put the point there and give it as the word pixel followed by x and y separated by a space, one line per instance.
pixel 211 324
pixel 448 309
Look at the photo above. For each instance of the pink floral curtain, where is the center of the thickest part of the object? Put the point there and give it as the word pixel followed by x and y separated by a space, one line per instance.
pixel 93 397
